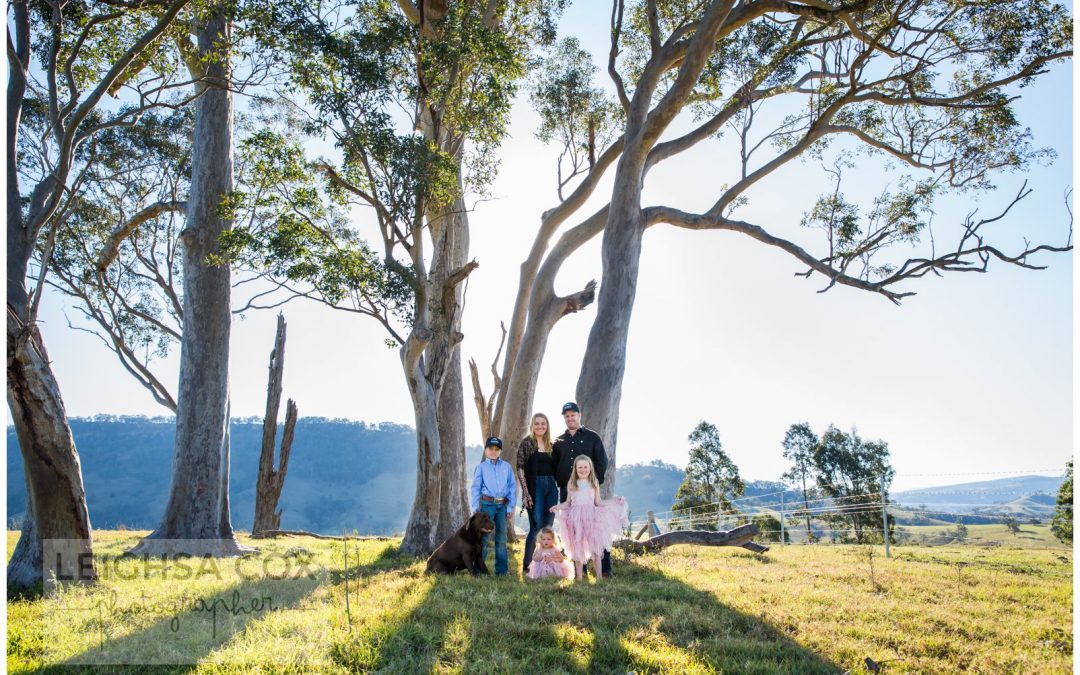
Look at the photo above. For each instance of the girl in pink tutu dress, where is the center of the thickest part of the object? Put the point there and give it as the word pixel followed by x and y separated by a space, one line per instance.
pixel 587 523
pixel 547 560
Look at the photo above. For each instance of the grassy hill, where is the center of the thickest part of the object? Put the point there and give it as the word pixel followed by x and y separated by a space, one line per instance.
pixel 987 535
pixel 796 609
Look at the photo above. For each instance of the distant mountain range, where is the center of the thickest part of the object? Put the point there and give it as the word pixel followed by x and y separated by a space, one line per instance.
pixel 346 475
pixel 342 474
pixel 1020 496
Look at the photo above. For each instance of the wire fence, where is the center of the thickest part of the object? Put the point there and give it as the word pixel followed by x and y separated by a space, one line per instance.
pixel 864 518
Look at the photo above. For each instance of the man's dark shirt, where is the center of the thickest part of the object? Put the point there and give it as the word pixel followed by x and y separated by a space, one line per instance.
pixel 567 448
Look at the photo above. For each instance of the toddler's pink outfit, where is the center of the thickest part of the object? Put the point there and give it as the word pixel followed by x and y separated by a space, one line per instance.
pixel 545 563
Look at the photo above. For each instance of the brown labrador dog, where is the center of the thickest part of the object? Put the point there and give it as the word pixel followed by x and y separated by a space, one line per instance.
pixel 463 549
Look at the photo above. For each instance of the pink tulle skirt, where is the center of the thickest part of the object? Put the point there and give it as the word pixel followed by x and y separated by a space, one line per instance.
pixel 587 530
pixel 539 569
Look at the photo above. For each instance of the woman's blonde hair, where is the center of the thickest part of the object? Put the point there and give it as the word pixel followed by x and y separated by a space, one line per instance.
pixel 573 482
pixel 547 434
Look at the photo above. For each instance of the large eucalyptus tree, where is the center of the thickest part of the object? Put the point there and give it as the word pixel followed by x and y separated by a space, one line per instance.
pixel 930 84
pixel 415 98
pixel 55 112
pixel 197 518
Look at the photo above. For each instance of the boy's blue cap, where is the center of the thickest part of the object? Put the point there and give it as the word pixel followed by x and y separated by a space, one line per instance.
pixel 493 441
pixel 570 407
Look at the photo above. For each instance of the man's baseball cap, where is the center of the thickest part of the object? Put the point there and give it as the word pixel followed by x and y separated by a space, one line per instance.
pixel 493 441
pixel 570 407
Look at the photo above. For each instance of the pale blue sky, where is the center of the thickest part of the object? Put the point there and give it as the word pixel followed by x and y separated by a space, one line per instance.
pixel 973 374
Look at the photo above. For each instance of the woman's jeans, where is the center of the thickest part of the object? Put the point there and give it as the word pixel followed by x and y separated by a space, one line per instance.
pixel 540 515
pixel 498 514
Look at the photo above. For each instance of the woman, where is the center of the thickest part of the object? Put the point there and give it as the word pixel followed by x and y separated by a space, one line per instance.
pixel 536 475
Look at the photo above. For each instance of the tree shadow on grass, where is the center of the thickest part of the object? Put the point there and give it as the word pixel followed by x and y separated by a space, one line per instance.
pixel 185 630
pixel 642 621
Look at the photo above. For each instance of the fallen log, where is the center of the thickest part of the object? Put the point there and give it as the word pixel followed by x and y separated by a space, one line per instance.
pixel 740 536
pixel 271 534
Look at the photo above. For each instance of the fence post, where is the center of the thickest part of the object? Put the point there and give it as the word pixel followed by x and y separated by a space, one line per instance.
pixel 884 518
pixel 690 522
pixel 782 540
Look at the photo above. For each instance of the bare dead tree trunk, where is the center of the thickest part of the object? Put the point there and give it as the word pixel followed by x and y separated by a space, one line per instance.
pixel 485 406
pixel 483 412
pixel 198 505
pixel 271 480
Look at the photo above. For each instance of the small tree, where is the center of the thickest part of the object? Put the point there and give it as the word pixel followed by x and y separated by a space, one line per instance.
pixel 1013 524
pixel 1062 524
pixel 769 528
pixel 693 510
pixel 851 471
pixel 799 444
pixel 961 532
pixel 712 479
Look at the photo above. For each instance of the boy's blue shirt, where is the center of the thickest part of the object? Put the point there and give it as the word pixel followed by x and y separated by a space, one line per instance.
pixel 494 479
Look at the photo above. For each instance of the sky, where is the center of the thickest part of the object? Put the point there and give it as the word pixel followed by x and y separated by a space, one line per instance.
pixel 971 378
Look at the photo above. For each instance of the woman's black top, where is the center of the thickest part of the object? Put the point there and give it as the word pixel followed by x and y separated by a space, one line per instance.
pixel 532 462
pixel 545 465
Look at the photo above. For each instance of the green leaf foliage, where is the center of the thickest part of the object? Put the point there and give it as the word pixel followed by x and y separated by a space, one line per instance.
pixel 712 479
pixel 1062 524
pixel 414 115
pixel 137 297
pixel 852 471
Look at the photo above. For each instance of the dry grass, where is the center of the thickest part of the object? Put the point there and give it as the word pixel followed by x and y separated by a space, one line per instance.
pixel 797 609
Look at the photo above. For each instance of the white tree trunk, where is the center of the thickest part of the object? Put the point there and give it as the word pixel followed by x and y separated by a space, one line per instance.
pixel 421 532
pixel 56 501
pixel 454 493
pixel 599 388
pixel 441 504
pixel 449 227
pixel 545 310
pixel 198 505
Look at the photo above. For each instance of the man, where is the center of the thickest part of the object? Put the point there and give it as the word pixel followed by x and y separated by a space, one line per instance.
pixel 494 491
pixel 578 440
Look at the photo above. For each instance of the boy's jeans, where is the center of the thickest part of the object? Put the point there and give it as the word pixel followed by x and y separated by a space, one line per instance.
pixel 498 514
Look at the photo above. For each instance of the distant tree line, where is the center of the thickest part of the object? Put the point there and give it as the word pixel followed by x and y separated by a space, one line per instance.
pixel 847 474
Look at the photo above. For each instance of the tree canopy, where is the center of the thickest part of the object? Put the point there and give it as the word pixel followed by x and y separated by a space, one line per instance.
pixel 1062 523
pixel 712 480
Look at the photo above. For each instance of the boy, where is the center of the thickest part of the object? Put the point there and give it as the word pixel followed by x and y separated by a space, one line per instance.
pixel 494 491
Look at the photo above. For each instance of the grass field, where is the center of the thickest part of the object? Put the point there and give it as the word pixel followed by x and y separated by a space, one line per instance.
pixel 1028 536
pixel 795 609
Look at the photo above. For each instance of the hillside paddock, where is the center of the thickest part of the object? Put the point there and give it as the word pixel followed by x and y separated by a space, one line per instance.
pixel 795 609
